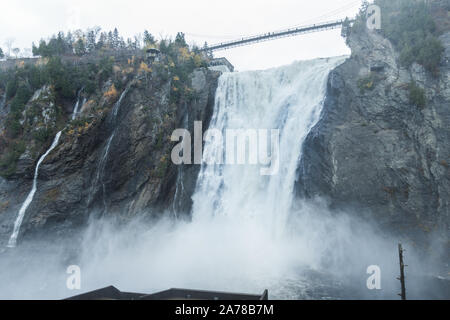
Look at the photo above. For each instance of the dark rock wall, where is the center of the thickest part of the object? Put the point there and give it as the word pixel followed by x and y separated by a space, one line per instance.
pixel 137 176
pixel 375 153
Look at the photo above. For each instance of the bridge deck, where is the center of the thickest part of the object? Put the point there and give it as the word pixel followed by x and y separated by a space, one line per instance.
pixel 275 35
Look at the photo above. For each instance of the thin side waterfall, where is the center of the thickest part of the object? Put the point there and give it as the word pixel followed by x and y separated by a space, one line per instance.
pixel 101 168
pixel 13 239
pixel 100 172
pixel 289 99
pixel 17 224
pixel 117 105
pixel 77 107
pixel 179 189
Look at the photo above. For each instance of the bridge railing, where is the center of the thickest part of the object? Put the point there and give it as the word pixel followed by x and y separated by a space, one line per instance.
pixel 276 34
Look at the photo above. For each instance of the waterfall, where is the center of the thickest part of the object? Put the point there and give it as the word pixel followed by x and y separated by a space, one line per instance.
pixel 119 103
pixel 13 239
pixel 289 99
pixel 23 209
pixel 179 186
pixel 77 106
pixel 100 172
pixel 244 235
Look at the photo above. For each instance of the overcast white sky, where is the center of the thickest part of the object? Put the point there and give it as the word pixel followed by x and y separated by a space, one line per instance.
pixel 201 20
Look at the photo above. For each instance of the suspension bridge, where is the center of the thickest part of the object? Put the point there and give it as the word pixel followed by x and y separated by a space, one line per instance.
pixel 278 34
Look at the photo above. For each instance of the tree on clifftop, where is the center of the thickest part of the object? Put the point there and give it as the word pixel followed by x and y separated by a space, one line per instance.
pixel 180 40
pixel 2 55
pixel 410 26
pixel 79 47
pixel 148 39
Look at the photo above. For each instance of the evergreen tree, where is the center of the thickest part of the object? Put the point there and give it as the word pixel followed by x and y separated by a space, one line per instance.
pixel 60 43
pixel 122 44
pixel 102 41
pixel 137 42
pixel 130 44
pixel 410 26
pixel 115 39
pixel 43 49
pixel 148 39
pixel 180 40
pixel 110 40
pixel 79 47
pixel 90 41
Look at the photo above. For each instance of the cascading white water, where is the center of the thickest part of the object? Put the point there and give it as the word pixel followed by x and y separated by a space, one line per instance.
pixel 238 239
pixel 290 99
pixel 77 107
pixel 101 168
pixel 119 102
pixel 13 239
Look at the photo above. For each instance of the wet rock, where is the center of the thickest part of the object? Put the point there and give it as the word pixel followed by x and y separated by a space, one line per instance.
pixel 137 176
pixel 375 153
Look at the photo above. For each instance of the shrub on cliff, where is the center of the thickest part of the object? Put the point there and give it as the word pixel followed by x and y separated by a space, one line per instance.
pixel 368 82
pixel 8 160
pixel 20 99
pixel 417 95
pixel 409 25
pixel 11 88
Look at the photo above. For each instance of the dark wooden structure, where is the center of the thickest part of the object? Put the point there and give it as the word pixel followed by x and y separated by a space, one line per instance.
pixel 112 293
pixel 377 68
pixel 152 54
pixel 402 272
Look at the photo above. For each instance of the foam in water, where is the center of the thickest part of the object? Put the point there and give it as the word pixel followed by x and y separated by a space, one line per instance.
pixel 23 209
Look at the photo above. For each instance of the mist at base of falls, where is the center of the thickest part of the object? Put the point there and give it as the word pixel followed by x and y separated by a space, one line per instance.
pixel 245 235
pixel 322 255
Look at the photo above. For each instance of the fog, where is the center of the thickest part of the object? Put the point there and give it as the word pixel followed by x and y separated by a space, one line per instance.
pixel 323 255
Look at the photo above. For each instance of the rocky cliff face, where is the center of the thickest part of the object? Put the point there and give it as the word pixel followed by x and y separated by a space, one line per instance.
pixel 115 164
pixel 377 153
